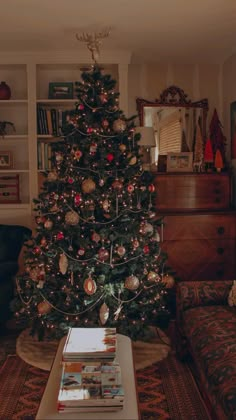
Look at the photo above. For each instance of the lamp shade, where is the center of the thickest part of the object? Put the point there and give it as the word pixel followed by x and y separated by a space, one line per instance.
pixel 147 136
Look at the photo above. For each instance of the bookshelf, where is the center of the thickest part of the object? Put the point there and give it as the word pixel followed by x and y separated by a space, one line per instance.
pixel 29 75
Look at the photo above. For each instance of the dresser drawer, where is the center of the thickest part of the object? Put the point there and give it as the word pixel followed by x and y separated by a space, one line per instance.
pixel 187 192
pixel 201 272
pixel 199 251
pixel 209 226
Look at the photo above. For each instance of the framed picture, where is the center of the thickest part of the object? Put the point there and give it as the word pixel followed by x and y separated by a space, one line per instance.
pixel 60 90
pixel 6 160
pixel 180 162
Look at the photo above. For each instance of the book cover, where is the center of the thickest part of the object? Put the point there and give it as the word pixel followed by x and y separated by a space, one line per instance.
pixel 90 342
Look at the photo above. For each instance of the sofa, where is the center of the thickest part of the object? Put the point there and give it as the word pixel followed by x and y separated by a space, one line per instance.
pixel 12 237
pixel 206 331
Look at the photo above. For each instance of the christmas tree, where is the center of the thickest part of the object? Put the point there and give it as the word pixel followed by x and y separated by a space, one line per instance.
pixel 95 259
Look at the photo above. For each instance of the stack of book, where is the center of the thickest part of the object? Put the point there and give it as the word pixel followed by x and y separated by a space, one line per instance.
pixel 91 377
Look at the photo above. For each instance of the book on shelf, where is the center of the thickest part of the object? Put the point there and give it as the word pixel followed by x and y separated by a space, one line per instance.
pixel 90 343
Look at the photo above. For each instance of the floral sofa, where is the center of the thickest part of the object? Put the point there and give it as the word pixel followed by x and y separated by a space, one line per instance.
pixel 206 329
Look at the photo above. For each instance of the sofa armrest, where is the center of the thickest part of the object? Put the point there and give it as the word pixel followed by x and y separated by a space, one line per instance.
pixel 200 293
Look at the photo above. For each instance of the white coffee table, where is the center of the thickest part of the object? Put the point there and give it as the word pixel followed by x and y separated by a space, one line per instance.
pixel 48 406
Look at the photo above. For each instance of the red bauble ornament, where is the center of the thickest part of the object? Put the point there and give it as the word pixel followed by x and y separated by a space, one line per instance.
pixel 95 237
pixel 81 252
pixel 36 250
pixel 70 180
pixel 60 236
pixel 81 107
pixel 130 188
pixel 105 123
pixel 103 254
pixel 151 188
pixel 89 130
pixel 146 249
pixel 110 157
pixel 77 199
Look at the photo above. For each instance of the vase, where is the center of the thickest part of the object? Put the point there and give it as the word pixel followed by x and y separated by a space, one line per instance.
pixel 5 91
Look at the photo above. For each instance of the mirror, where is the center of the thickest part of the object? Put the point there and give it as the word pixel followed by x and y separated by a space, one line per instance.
pixel 175 120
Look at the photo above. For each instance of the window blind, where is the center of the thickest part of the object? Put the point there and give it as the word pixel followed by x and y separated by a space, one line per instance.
pixel 170 136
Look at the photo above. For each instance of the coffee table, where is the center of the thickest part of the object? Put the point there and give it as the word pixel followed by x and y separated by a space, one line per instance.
pixel 48 406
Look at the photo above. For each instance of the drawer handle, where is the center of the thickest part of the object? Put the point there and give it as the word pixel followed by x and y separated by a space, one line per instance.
pixel 221 230
pixel 217 191
pixel 220 250
pixel 217 200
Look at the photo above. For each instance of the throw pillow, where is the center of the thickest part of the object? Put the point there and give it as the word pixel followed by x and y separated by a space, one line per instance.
pixel 232 295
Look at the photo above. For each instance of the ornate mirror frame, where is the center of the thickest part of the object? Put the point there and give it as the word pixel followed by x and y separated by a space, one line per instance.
pixel 173 96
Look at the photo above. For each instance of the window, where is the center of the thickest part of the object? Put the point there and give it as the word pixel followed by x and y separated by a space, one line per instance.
pixel 170 134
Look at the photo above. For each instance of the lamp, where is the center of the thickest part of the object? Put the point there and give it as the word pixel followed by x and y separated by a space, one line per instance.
pixel 147 142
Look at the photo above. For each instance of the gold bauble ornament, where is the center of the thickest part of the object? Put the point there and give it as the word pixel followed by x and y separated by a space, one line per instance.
pixel 88 186
pixel 43 308
pixel 48 224
pixel 72 218
pixel 168 280
pixel 132 282
pixel 152 276
pixel 133 160
pixel 90 286
pixel 119 125
pixel 122 147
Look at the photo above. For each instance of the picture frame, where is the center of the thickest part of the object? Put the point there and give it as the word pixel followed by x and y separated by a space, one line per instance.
pixel 61 90
pixel 179 162
pixel 6 160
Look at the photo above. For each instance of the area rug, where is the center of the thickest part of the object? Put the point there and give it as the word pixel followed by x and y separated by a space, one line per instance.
pixel 41 354
pixel 166 391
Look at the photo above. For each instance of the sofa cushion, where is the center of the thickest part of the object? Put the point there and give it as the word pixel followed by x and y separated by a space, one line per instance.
pixel 232 295
pixel 211 331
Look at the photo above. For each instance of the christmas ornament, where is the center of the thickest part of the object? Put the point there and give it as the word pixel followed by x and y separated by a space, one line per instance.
pixel 103 254
pixel 101 182
pixel 95 237
pixel 88 186
pixel 105 205
pixel 89 130
pixel 135 243
pixel 43 308
pixel 90 286
pixel 218 161
pixel 72 218
pixel 156 237
pixel 81 252
pixel 39 220
pixel 110 157
pixel 52 176
pixel 93 148
pixel 151 188
pixel 168 280
pixel 34 273
pixel 63 263
pixel 121 251
pixel 60 236
pixel 104 313
pixel 122 147
pixel 130 188
pixel 78 154
pixel 117 184
pixel 43 242
pixel 152 276
pixel 103 98
pixel 59 157
pixel 77 199
pixel 105 123
pixel 146 249
pixel 48 224
pixel 119 125
pixel 132 282
pixel 146 228
pixel 133 160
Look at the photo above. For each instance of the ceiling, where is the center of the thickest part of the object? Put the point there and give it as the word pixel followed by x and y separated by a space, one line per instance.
pixel 152 30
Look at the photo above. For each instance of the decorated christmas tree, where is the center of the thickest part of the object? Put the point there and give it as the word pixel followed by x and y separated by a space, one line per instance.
pixel 95 259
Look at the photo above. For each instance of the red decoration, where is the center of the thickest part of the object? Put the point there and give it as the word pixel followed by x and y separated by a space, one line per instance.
pixel 110 157
pixel 130 188
pixel 89 130
pixel 103 254
pixel 70 180
pixel 146 249
pixel 60 236
pixel 217 137
pixel 151 188
pixel 208 153
pixel 81 107
pixel 218 161
pixel 77 199
pixel 90 286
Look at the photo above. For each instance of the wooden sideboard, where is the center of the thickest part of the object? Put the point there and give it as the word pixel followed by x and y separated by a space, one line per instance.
pixel 199 225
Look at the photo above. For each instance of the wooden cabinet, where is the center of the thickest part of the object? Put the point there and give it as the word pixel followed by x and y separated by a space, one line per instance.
pixel 200 242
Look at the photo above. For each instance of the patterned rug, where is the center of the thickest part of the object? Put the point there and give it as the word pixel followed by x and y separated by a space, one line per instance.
pixel 166 390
